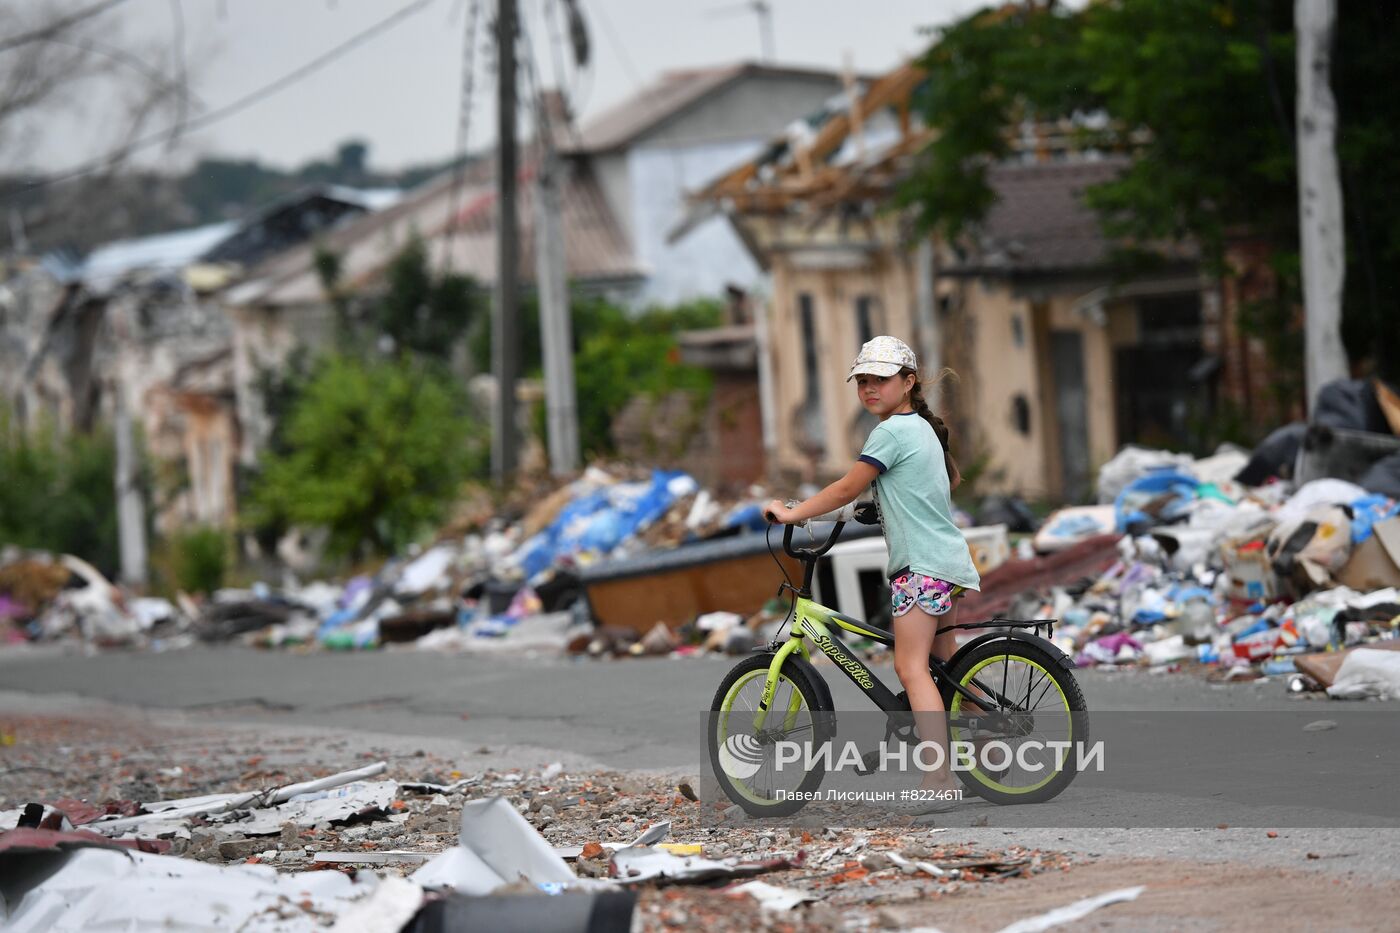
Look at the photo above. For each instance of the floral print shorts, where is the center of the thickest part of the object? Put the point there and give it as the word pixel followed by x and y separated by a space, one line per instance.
pixel 932 595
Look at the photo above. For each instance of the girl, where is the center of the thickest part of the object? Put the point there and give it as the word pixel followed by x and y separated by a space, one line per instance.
pixel 907 459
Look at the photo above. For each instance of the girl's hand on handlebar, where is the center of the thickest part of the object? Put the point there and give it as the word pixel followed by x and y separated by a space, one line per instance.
pixel 776 512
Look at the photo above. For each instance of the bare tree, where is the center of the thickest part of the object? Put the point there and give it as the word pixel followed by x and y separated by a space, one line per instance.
pixel 65 65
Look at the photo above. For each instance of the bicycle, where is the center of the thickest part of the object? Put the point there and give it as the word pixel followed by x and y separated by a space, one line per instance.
pixel 992 689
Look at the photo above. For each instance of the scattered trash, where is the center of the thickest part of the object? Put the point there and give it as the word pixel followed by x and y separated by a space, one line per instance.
pixel 638 864
pixel 322 806
pixel 96 888
pixel 496 847
pixel 1367 673
pixel 389 857
pixel 176 811
pixel 1072 912
pixel 769 896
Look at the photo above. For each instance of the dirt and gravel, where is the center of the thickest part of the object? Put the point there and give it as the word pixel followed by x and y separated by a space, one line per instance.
pixel 106 757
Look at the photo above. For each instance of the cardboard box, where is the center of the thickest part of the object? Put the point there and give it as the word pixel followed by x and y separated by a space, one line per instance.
pixel 1375 563
pixel 1249 573
pixel 1323 666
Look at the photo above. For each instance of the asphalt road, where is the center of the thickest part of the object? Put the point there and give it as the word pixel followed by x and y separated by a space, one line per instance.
pixel 633 713
pixel 1251 763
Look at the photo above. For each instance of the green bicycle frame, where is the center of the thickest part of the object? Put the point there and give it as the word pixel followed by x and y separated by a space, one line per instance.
pixel 815 622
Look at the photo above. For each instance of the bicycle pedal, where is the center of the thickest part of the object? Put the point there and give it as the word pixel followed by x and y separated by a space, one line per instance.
pixel 869 762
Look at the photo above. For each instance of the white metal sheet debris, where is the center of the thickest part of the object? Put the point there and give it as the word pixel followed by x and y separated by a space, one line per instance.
pixel 388 909
pixel 497 847
pixel 104 889
pixel 328 806
pixel 1072 912
pixel 770 896
pixel 637 864
pixel 168 810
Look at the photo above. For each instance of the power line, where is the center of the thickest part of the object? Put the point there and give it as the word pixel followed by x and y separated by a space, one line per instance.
pixel 58 25
pixel 237 106
pixel 576 94
pixel 464 124
pixel 618 45
pixel 556 42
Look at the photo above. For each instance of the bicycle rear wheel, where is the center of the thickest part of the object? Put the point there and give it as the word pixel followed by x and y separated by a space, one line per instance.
pixel 1038 707
pixel 745 756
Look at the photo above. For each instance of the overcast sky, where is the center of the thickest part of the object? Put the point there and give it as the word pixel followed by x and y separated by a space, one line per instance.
pixel 400 91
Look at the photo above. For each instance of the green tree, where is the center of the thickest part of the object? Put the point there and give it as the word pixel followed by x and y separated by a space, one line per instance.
pixel 620 356
pixel 425 313
pixel 199 558
pixel 57 493
pixel 375 453
pixel 617 355
pixel 1202 93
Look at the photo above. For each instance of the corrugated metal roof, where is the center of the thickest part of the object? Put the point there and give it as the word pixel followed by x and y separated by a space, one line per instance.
pixel 174 251
pixel 164 252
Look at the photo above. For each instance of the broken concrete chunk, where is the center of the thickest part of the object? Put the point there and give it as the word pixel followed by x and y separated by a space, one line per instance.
pixel 239 849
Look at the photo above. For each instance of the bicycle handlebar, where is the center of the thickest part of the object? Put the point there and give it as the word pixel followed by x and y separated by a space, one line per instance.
pixel 811 553
pixel 839 516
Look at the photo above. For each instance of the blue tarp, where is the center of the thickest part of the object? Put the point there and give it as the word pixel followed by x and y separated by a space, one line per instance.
pixel 1146 488
pixel 599 521
pixel 1367 512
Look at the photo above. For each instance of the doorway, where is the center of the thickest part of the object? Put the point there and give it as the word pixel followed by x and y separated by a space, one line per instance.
pixel 1072 411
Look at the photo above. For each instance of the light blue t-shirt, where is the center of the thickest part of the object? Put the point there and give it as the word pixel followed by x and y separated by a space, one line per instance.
pixel 915 503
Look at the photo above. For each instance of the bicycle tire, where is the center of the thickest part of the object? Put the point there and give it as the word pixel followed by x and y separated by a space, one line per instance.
pixel 991 785
pixel 746 672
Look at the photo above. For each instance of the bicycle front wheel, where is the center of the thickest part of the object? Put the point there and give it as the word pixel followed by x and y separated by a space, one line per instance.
pixel 1025 752
pixel 745 753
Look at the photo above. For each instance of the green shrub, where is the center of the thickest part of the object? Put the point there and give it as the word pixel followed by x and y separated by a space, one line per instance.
pixel 57 492
pixel 375 452
pixel 199 558
pixel 618 355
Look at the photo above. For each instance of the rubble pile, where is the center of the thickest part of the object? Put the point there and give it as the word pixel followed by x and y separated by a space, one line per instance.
pixel 45 597
pixel 249 830
pixel 1249 581
pixel 514 574
pixel 1242 562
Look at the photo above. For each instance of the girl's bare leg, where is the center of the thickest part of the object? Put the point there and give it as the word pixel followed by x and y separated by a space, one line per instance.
pixel 914 634
pixel 946 644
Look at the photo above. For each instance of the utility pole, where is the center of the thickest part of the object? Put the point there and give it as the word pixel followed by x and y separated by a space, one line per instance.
pixel 926 314
pixel 1319 197
pixel 505 348
pixel 131 507
pixel 556 330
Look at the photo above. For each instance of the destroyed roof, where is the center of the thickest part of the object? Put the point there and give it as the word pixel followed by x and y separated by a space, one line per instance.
pixel 671 94
pixel 297 219
pixel 163 252
pixel 858 153
pixel 858 148
pixel 595 248
pixel 280 224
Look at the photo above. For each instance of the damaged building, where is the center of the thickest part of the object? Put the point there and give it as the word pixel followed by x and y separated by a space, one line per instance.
pixel 1060 358
pixel 137 325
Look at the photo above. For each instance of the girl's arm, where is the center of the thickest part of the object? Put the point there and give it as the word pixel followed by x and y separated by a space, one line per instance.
pixel 844 490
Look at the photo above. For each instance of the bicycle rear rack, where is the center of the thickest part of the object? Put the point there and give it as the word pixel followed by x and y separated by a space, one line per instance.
pixel 1036 624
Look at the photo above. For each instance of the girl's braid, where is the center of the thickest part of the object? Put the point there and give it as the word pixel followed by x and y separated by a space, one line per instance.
pixel 940 428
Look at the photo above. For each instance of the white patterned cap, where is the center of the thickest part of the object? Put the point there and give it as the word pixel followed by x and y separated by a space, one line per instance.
pixel 883 356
